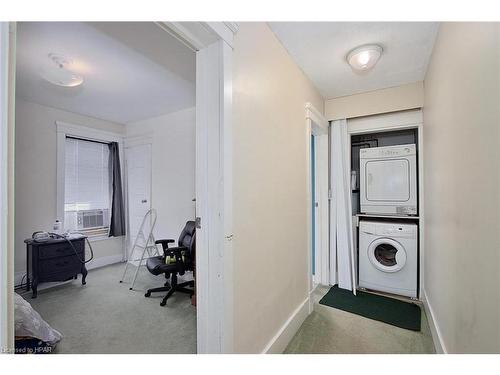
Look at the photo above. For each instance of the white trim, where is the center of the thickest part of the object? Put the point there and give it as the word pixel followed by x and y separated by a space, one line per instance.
pixel 311 298
pixel 315 116
pixel 437 337
pixel 322 174
pixel 194 35
pixel 385 122
pixel 285 334
pixel 316 125
pixel 421 211
pixel 224 30
pixel 104 261
pixel 214 198
pixel 85 132
pixel 7 191
pixel 4 136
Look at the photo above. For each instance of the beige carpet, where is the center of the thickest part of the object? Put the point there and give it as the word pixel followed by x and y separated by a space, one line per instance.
pixel 329 330
pixel 104 316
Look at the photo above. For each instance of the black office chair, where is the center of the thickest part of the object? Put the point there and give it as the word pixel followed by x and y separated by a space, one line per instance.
pixel 175 261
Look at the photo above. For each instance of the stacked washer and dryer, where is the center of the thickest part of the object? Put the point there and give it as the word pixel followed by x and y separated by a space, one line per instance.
pixel 388 247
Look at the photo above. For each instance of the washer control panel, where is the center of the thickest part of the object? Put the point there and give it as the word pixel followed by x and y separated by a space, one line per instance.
pixel 388 229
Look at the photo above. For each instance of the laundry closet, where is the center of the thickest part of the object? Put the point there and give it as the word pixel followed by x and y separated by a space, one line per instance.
pixel 376 191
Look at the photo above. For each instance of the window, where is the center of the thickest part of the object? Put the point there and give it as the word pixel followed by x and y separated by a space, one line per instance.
pixel 87 190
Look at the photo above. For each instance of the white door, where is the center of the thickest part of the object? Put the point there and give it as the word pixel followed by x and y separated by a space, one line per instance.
pixel 138 160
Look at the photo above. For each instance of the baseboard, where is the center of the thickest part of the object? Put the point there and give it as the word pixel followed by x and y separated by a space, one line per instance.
pixel 280 341
pixel 104 261
pixel 18 277
pixel 435 331
pixel 93 264
pixel 311 299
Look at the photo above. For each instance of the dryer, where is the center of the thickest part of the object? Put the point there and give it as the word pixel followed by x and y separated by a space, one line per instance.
pixel 388 257
pixel 388 180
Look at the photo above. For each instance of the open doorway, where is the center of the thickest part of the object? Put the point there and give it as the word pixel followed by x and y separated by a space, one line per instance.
pixel 318 198
pixel 82 87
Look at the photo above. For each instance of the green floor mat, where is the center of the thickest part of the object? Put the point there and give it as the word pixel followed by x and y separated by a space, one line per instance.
pixel 384 309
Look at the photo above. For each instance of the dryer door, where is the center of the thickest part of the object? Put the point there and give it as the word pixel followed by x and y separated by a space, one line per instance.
pixel 387 180
pixel 387 255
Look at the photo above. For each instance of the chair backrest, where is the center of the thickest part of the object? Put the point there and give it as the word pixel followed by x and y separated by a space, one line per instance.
pixel 188 239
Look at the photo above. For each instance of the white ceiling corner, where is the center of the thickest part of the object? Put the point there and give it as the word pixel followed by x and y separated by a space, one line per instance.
pixel 132 70
pixel 320 48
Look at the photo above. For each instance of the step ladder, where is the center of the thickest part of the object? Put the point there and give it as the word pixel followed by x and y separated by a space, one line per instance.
pixel 144 243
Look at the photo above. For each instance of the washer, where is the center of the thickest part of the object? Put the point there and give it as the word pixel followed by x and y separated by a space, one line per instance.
pixel 389 180
pixel 388 257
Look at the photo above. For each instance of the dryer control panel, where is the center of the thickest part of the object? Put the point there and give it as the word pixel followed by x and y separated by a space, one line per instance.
pixel 388 152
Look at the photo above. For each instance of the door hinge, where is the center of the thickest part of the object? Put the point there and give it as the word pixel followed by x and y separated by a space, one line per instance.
pixel 197 222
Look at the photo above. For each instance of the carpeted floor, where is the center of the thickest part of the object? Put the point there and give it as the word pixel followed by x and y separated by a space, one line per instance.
pixel 329 330
pixel 104 316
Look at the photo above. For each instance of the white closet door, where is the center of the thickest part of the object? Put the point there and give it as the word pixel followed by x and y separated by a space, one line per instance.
pixel 341 234
pixel 139 168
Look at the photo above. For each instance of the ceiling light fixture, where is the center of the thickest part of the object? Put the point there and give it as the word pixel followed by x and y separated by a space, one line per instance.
pixel 364 57
pixel 58 73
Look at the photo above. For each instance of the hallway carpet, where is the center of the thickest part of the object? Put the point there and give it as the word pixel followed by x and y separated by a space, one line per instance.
pixel 329 330
pixel 104 316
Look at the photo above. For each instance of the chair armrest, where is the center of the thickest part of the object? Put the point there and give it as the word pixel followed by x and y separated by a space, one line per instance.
pixel 164 243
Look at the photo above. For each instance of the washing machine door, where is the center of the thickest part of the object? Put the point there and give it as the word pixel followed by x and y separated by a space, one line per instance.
pixel 387 255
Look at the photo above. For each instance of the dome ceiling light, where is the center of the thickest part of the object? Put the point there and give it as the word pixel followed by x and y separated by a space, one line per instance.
pixel 364 57
pixel 58 73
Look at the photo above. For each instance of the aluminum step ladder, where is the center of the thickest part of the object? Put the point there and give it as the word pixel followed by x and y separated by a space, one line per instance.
pixel 148 246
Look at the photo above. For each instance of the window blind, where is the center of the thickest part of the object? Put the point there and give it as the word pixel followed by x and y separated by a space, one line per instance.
pixel 87 182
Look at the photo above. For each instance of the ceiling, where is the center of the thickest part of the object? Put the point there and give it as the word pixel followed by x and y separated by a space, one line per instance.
pixel 320 49
pixel 131 70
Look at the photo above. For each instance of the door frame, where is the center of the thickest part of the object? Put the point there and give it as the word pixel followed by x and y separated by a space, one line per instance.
pixel 7 113
pixel 317 126
pixel 411 118
pixel 213 43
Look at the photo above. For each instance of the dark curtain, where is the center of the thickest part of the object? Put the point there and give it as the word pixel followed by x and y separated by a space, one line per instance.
pixel 117 221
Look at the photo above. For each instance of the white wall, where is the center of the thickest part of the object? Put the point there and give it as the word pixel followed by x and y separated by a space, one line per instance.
pixel 269 186
pixel 173 169
pixel 462 186
pixel 392 99
pixel 35 175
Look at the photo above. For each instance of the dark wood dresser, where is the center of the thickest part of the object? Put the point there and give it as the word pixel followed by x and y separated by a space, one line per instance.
pixel 54 260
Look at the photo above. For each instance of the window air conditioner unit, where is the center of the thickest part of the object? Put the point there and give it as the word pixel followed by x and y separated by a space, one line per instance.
pixel 91 219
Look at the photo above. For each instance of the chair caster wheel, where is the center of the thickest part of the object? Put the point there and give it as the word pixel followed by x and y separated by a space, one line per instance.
pixel 129 288
pixel 148 294
pixel 121 281
pixel 163 303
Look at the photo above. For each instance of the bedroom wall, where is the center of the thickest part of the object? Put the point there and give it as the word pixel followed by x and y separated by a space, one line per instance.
pixel 173 169
pixel 35 176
